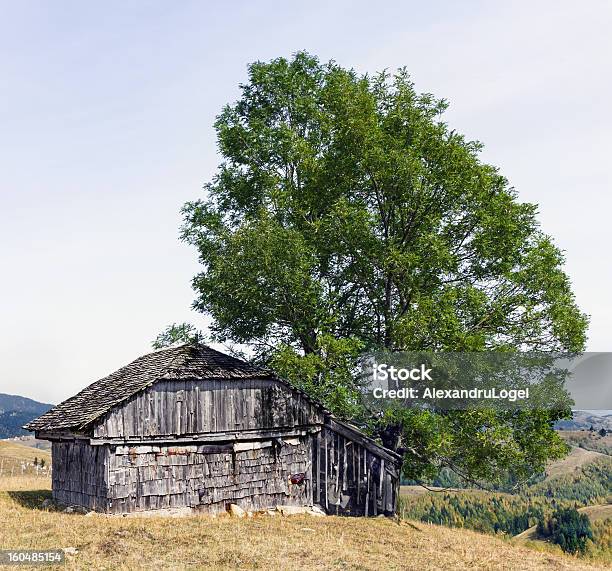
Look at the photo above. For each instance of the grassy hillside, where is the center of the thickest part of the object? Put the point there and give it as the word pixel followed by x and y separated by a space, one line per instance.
pixel 598 513
pixel 297 542
pixel 15 458
pixel 32 442
pixel 577 458
pixel 588 440
pixel 589 483
pixel 304 542
pixel 581 481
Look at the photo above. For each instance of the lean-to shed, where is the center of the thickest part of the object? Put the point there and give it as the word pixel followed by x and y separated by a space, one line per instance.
pixel 191 427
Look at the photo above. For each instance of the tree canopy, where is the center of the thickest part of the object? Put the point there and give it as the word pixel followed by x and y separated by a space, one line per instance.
pixel 347 216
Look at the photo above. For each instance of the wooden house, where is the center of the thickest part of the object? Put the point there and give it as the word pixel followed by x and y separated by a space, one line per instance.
pixel 190 427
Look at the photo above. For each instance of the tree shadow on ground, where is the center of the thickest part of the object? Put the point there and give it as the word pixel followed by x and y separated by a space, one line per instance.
pixel 31 499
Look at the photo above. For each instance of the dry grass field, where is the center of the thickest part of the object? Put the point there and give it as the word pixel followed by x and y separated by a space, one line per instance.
pixel 598 513
pixel 17 459
pixel 266 542
pixel 575 459
pixel 589 440
pixel 19 451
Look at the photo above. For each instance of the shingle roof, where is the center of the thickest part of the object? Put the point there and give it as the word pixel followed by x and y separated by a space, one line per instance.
pixel 184 362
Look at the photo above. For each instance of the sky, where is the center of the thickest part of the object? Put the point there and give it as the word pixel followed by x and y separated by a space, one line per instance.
pixel 106 130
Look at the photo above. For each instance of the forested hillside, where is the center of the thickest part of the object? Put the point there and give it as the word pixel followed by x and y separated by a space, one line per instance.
pixel 511 514
pixel 15 411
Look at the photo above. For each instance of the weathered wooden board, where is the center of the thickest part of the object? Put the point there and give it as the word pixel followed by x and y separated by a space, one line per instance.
pixel 351 477
pixel 183 407
pixel 79 474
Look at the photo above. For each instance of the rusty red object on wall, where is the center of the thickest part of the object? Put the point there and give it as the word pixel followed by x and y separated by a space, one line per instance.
pixel 177 452
pixel 297 478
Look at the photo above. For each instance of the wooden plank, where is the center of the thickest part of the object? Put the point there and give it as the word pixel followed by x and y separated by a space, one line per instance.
pixel 325 439
pixel 356 436
pixel 317 469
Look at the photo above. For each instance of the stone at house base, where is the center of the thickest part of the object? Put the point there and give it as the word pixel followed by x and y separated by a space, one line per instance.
pixel 236 511
pixel 299 510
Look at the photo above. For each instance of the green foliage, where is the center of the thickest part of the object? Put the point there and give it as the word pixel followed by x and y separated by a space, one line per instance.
pixel 480 511
pixel 568 528
pixel 346 216
pixel 178 333
pixel 327 374
pixel 503 448
pixel 587 485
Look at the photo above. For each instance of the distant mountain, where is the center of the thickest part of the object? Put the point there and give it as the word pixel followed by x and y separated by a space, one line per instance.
pixel 15 411
pixel 584 419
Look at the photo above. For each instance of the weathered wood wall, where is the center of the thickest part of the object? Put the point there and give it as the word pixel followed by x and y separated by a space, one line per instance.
pixel 351 479
pixel 79 474
pixel 208 443
pixel 179 408
pixel 255 475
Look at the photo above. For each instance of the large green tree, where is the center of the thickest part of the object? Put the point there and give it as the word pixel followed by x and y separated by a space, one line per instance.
pixel 347 217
